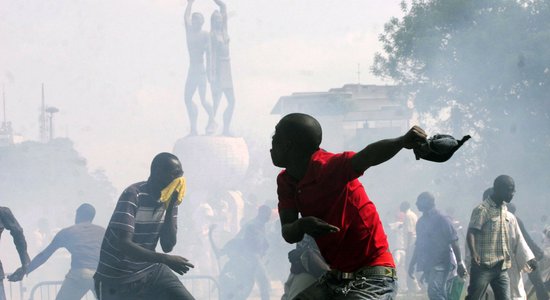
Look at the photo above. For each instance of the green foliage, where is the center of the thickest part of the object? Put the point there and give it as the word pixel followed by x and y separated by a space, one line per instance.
pixel 487 59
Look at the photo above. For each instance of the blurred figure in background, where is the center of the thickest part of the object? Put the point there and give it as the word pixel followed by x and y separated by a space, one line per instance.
pixel 409 237
pixel 8 221
pixel 436 250
pixel 535 276
pixel 245 265
pixel 83 241
pixel 523 259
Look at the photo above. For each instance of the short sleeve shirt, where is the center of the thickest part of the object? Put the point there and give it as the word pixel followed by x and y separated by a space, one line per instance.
pixel 434 235
pixel 409 222
pixel 142 215
pixel 83 241
pixel 492 240
pixel 330 191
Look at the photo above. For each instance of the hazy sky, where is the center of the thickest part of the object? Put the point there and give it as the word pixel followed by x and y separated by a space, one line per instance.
pixel 116 69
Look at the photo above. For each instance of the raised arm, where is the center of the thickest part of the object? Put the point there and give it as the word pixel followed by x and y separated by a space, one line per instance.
pixel 383 150
pixel 222 6
pixel 223 12
pixel 187 15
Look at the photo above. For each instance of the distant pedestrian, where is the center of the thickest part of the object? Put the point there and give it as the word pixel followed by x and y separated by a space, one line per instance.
pixel 488 241
pixel 436 249
pixel 83 241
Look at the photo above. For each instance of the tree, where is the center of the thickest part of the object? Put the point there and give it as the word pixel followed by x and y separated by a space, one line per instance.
pixel 487 59
pixel 488 62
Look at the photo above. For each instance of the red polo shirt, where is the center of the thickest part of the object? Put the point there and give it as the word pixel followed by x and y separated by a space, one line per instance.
pixel 330 191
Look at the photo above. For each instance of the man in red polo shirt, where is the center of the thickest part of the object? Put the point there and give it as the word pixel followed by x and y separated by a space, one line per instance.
pixel 335 209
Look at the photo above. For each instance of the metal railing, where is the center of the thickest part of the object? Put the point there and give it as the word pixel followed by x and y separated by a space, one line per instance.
pixel 14 290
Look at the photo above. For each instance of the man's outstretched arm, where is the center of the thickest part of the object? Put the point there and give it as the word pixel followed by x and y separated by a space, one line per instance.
pixel 37 261
pixel 383 150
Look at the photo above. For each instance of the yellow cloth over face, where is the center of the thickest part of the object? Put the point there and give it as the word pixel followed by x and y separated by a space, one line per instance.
pixel 176 186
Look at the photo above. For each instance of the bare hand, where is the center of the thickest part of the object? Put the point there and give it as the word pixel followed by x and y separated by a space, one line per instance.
pixel 476 259
pixel 415 137
pixel 461 270
pixel 178 264
pixel 17 275
pixel 316 227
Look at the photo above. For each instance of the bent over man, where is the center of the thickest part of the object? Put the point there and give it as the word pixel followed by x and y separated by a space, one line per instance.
pixel 335 208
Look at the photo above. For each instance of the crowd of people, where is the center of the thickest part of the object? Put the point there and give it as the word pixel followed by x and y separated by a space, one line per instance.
pixel 341 252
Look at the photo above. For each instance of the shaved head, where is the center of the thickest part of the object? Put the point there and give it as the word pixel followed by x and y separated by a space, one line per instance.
pixel 302 130
pixel 504 188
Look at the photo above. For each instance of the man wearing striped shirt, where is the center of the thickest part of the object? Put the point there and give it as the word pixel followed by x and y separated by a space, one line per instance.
pixel 129 267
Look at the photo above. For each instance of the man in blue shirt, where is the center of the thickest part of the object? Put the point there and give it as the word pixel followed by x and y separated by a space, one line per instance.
pixel 436 243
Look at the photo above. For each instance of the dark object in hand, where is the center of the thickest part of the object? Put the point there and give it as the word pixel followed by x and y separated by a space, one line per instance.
pixel 439 148
pixel 532 264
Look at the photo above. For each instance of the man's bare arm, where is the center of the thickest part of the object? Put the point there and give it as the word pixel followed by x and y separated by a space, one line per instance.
pixel 294 228
pixel 461 269
pixel 222 6
pixel 383 150
pixel 471 240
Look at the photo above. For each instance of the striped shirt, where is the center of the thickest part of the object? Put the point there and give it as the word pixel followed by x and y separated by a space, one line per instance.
pixel 142 215
pixel 492 240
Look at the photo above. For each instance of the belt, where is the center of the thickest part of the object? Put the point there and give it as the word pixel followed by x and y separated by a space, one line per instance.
pixel 365 272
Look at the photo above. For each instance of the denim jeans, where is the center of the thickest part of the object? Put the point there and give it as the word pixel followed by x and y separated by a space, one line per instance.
pixel 2 291
pixel 362 288
pixel 160 284
pixel 436 278
pixel 482 276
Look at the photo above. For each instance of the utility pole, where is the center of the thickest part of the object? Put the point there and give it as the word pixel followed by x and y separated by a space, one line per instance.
pixel 42 119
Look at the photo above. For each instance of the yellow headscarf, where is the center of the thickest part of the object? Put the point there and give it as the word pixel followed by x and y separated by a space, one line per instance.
pixel 177 185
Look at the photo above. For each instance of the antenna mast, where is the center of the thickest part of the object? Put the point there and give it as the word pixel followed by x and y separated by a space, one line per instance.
pixel 42 119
